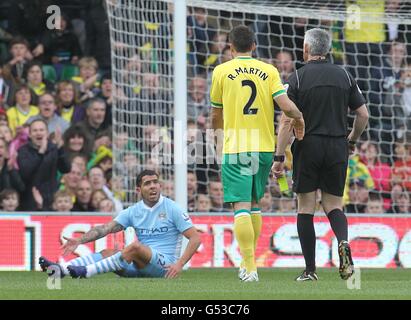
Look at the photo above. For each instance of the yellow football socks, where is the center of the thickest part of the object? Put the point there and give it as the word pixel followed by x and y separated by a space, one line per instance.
pixel 257 221
pixel 244 233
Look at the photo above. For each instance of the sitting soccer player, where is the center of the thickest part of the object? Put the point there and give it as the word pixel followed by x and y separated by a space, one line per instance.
pixel 159 224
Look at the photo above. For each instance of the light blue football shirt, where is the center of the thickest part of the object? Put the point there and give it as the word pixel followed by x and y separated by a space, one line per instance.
pixel 159 227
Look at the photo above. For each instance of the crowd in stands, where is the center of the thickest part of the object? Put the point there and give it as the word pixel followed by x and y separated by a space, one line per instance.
pixel 56 96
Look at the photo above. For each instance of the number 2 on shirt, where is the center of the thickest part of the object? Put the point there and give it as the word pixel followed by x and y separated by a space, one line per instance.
pixel 247 109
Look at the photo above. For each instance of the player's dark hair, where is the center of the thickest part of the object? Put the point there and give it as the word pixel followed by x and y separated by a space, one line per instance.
pixel 144 173
pixel 242 38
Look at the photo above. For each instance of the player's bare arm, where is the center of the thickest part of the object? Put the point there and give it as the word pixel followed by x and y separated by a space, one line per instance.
pixel 217 124
pixel 194 242
pixel 291 110
pixel 360 123
pixel 284 137
pixel 95 233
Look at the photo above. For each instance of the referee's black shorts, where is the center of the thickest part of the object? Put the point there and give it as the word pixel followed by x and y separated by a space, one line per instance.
pixel 320 162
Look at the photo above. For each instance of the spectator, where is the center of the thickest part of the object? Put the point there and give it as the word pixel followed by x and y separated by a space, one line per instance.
pixel 380 172
pixel 6 88
pixel 357 170
pixel 56 125
pixel 70 180
pixel 9 177
pixel 191 191
pixel 214 52
pixel 401 172
pixel 63 201
pixel 395 31
pixel 16 68
pixel 266 202
pixel 405 88
pixel 403 204
pixel 22 111
pixel 39 161
pixel 98 35
pixel 363 42
pixel 96 197
pixel 28 18
pixel 9 200
pixel 93 125
pixel 203 203
pixel 375 204
pixel 168 189
pixel 215 191
pixel 106 93
pixel 67 103
pixel 385 98
pixel 97 178
pixel 102 158
pixel 87 80
pixel 106 205
pixel 284 63
pixel 61 46
pixel 399 198
pixel 80 161
pixel 5 133
pixel 358 197
pixel 20 140
pixel 83 197
pixel 36 82
pixel 76 141
pixel 197 102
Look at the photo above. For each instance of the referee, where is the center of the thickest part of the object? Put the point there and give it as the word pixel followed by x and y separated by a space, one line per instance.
pixel 323 92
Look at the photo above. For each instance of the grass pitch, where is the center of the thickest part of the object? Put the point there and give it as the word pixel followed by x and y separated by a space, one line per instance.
pixel 206 284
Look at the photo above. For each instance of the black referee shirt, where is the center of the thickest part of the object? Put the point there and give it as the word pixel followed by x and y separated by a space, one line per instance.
pixel 323 92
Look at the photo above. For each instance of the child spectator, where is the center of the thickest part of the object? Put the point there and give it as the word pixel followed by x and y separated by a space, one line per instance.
pixel 22 111
pixel 375 204
pixel 106 93
pixel 68 106
pixel 63 201
pixel 96 197
pixel 16 68
pixel 9 200
pixel 106 205
pixel 87 80
pixel 203 203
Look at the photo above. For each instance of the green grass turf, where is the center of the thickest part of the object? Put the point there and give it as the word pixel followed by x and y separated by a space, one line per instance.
pixel 211 284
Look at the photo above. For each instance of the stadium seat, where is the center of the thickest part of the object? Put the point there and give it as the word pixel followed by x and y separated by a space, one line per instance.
pixel 69 72
pixel 49 73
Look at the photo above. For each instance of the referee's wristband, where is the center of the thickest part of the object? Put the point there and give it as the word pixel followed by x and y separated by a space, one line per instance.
pixel 279 158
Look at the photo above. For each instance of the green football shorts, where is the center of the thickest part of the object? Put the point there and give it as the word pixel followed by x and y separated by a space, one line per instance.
pixel 245 175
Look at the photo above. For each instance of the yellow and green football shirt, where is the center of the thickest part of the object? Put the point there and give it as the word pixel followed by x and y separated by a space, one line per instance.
pixel 17 118
pixel 245 87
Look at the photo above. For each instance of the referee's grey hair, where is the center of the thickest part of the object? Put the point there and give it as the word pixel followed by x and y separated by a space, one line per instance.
pixel 319 42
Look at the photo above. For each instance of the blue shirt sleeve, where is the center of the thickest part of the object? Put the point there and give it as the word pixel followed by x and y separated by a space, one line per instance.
pixel 181 219
pixel 123 217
